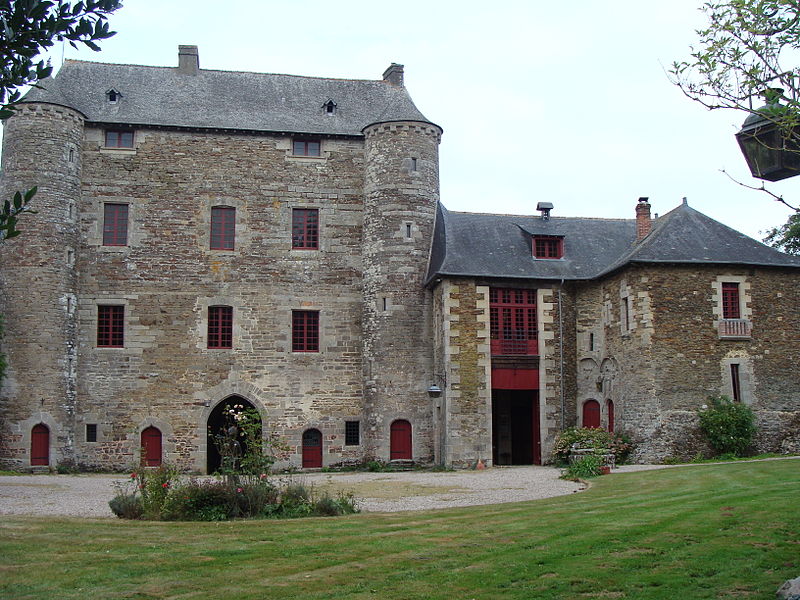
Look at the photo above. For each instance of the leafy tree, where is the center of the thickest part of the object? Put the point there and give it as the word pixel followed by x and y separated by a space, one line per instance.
pixel 27 29
pixel 749 49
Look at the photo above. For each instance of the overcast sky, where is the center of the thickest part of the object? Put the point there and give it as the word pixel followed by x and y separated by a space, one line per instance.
pixel 564 102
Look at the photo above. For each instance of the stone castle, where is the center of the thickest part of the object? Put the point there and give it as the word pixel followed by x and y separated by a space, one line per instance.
pixel 210 238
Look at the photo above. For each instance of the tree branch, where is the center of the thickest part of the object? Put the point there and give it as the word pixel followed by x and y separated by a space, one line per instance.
pixel 761 188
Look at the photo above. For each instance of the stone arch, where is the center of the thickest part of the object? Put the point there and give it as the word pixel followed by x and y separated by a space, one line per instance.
pixel 214 424
pixel 168 446
pixel 26 429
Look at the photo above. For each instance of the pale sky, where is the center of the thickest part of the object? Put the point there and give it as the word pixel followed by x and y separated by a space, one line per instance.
pixel 563 102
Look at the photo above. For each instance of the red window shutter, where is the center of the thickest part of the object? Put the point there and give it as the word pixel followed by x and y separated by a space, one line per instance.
pixel 115 224
pixel 305 331
pixel 305 228
pixel 223 227
pixel 220 327
pixel 512 322
pixel 730 301
pixel 110 326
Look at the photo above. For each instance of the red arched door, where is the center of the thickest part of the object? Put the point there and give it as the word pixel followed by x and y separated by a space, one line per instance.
pixel 40 445
pixel 591 413
pixel 151 447
pixel 312 449
pixel 610 407
pixel 400 440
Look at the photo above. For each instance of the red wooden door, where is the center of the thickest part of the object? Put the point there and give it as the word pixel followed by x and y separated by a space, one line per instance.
pixel 400 440
pixel 591 413
pixel 40 445
pixel 610 407
pixel 312 449
pixel 151 447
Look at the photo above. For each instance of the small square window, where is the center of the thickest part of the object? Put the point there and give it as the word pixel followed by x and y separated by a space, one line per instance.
pixel 119 139
pixel 110 326
pixel 115 224
pixel 548 246
pixel 306 147
pixel 352 433
pixel 223 227
pixel 91 432
pixel 220 327
pixel 305 331
pixel 305 228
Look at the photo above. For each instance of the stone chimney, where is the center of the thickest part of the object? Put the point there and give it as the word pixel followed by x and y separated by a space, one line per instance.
pixel 394 74
pixel 643 222
pixel 188 60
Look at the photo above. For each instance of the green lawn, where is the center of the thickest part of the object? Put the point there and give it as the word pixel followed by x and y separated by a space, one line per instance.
pixel 707 531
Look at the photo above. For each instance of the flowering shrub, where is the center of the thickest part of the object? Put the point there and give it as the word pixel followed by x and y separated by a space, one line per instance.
pixel 618 444
pixel 588 466
pixel 728 425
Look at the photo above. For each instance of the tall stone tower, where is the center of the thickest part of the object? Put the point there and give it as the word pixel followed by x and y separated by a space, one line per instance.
pixel 41 147
pixel 401 193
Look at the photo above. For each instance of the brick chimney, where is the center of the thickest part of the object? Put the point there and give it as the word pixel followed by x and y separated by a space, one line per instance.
pixel 394 74
pixel 643 222
pixel 188 60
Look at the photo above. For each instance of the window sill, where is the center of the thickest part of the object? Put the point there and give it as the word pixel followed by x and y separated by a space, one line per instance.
pixel 118 151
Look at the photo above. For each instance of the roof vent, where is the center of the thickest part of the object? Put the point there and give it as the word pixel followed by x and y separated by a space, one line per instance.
pixel 394 74
pixel 188 60
pixel 113 96
pixel 545 208
pixel 329 107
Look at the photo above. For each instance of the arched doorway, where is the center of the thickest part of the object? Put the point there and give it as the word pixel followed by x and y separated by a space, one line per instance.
pixel 400 440
pixel 219 421
pixel 151 447
pixel 610 409
pixel 591 413
pixel 312 449
pixel 40 445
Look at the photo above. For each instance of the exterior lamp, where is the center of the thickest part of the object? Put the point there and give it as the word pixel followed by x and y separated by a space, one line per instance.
pixel 769 152
pixel 434 391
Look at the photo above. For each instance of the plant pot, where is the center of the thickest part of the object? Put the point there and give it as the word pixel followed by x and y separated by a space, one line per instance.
pixel 605 470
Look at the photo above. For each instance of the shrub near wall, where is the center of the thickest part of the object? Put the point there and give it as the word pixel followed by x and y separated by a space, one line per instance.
pixel 589 437
pixel 729 426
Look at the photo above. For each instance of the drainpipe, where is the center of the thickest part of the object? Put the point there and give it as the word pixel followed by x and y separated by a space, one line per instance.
pixel 561 352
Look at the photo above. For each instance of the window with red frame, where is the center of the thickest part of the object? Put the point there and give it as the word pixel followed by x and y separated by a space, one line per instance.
pixel 305 331
pixel 306 147
pixel 545 246
pixel 115 224
pixel 223 227
pixel 512 322
pixel 730 301
pixel 110 326
pixel 220 327
pixel 305 228
pixel 119 139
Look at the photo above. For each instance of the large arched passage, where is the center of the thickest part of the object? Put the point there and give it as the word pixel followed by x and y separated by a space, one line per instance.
pixel 219 421
pixel 40 445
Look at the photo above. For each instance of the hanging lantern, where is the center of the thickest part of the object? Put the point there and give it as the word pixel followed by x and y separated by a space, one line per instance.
pixel 769 152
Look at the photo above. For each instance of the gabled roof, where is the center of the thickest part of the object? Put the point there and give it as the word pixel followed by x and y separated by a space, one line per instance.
pixel 164 96
pixel 499 246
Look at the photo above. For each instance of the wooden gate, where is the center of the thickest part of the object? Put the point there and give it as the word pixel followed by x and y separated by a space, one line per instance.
pixel 591 413
pixel 312 449
pixel 151 447
pixel 400 440
pixel 40 445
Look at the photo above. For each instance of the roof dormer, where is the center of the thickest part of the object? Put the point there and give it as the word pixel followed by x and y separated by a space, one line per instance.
pixel 113 96
pixel 329 108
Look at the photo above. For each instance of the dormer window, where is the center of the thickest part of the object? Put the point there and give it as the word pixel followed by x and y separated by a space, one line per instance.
pixel 113 96
pixel 548 246
pixel 329 107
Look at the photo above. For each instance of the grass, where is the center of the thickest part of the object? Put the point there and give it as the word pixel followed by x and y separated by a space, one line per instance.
pixel 707 531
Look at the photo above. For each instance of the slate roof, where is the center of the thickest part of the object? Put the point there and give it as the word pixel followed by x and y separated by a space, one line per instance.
pixel 499 246
pixel 163 96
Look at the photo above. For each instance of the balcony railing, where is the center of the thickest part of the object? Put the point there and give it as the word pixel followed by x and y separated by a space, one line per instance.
pixel 735 329
pixel 515 347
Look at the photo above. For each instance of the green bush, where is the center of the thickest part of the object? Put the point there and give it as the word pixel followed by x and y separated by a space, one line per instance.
pixel 729 426
pixel 619 444
pixel 127 506
pixel 583 468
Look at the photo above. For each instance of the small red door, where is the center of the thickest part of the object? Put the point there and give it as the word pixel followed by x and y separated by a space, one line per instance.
pixel 151 447
pixel 610 407
pixel 400 440
pixel 312 449
pixel 591 413
pixel 40 445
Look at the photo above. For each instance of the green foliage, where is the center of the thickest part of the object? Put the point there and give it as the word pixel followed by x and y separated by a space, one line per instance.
pixel 787 236
pixel 619 444
pixel 729 426
pixel 584 468
pixel 127 506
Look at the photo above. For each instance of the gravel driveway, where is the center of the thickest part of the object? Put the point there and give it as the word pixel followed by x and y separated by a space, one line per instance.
pixel 88 495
